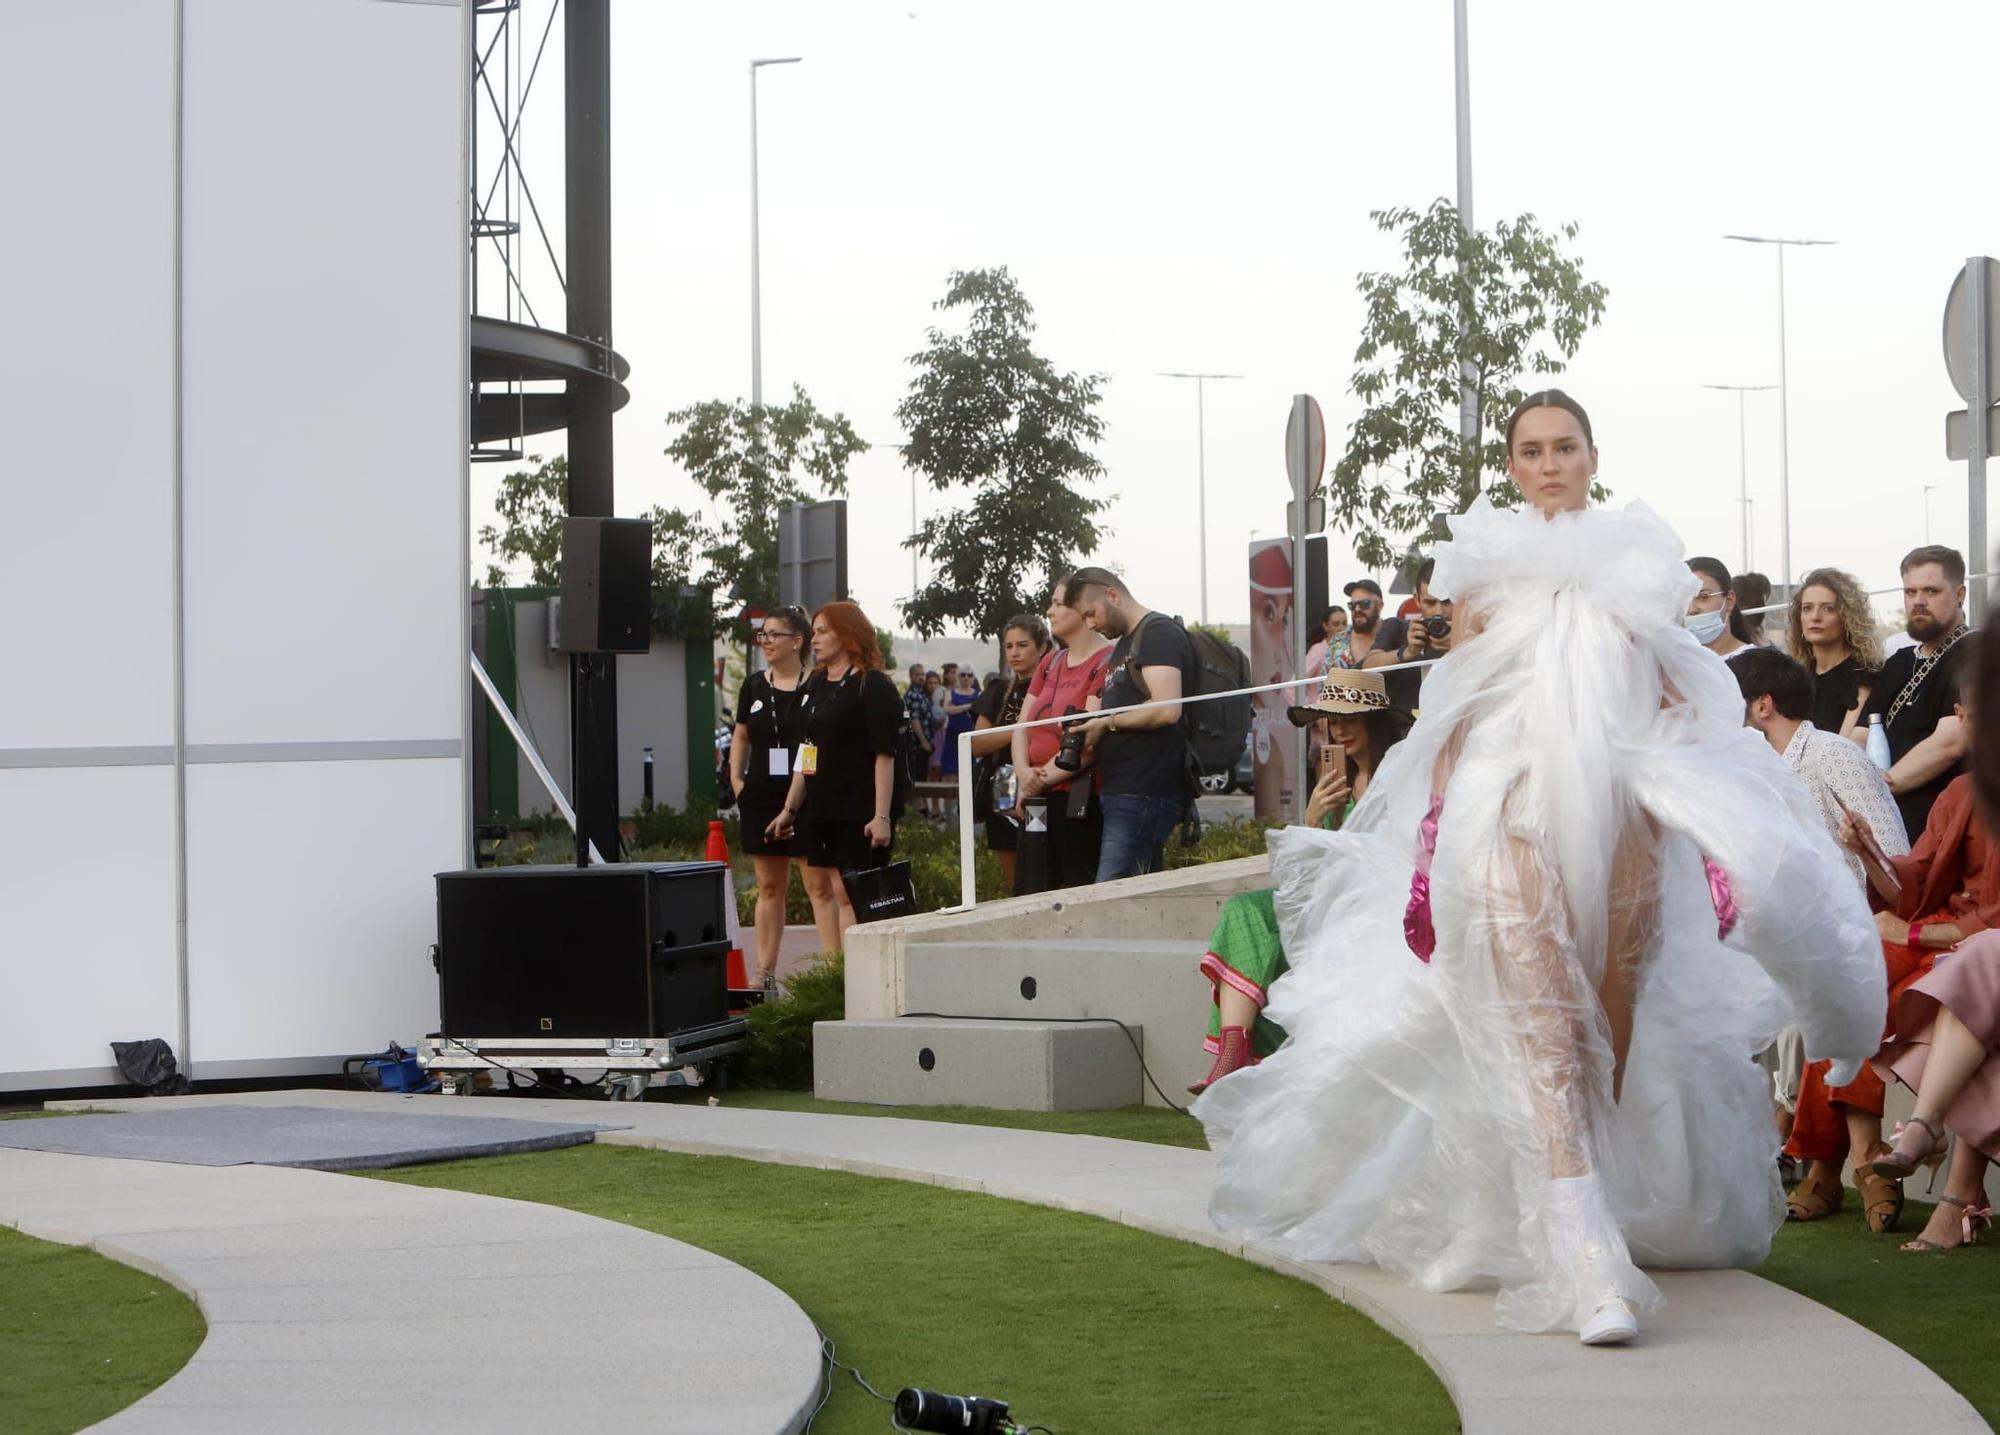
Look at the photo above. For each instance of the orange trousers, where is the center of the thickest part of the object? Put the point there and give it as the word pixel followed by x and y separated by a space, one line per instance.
pixel 1819 1129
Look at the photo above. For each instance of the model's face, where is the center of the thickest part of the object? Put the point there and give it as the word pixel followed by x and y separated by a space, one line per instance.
pixel 1551 462
pixel 1819 615
pixel 1020 651
pixel 1931 604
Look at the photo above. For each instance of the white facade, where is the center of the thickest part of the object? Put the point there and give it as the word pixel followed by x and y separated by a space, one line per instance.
pixel 232 282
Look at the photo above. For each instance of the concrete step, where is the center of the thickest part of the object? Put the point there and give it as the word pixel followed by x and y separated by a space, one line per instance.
pixel 1152 983
pixel 1006 1065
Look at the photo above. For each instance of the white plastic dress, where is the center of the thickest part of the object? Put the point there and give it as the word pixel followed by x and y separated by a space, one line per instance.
pixel 1454 1119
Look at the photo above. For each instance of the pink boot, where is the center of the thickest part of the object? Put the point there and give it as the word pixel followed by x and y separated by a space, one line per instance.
pixel 1235 1053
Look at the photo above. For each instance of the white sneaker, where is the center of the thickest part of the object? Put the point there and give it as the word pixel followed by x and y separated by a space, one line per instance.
pixel 1612 1323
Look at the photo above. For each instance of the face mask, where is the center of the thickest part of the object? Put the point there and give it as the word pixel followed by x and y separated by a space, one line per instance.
pixel 1707 627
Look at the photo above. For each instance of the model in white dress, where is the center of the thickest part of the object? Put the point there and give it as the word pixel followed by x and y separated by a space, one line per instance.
pixel 1542 1075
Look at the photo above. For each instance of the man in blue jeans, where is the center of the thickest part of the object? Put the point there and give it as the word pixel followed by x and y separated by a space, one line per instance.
pixel 1142 756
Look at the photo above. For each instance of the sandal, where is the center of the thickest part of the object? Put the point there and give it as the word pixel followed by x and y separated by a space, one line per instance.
pixel 1927 1147
pixel 1972 1219
pixel 1816 1197
pixel 1233 1054
pixel 1881 1197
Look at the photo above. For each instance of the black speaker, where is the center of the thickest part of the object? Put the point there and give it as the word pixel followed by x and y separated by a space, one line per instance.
pixel 627 950
pixel 607 585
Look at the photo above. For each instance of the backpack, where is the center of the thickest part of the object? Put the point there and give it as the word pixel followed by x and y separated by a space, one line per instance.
pixel 1215 730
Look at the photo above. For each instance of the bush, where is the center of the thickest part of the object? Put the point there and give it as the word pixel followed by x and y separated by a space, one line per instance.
pixel 681 830
pixel 1220 842
pixel 781 1029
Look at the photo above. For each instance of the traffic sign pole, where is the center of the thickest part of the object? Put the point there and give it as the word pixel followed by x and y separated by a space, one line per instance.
pixel 1979 413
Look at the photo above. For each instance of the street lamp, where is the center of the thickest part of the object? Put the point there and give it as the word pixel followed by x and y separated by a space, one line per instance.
pixel 1201 467
pixel 756 296
pixel 1461 52
pixel 1743 457
pixel 1784 410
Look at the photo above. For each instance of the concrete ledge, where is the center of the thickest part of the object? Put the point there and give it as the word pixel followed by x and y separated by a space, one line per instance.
pixel 1006 1065
pixel 335 1303
pixel 1731 1353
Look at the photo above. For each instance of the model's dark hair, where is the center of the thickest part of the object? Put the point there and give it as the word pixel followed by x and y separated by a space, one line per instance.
pixel 1768 673
pixel 1718 570
pixel 1949 559
pixel 1548 399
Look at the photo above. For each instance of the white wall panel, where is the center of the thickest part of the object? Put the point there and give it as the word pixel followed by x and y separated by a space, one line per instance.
pixel 324 350
pixel 312 905
pixel 86 370
pixel 86 917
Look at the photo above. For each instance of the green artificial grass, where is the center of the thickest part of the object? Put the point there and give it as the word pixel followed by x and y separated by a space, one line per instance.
pixel 1126 1123
pixel 81 1336
pixel 1079 1323
pixel 1940 1307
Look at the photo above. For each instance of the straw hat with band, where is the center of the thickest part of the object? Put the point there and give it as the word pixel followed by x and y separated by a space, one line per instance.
pixel 1346 690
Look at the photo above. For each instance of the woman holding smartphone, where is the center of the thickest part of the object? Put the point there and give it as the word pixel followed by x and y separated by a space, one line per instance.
pixel 1244 957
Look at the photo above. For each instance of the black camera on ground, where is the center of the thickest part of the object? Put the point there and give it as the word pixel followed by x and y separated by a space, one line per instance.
pixel 1069 753
pixel 928 1410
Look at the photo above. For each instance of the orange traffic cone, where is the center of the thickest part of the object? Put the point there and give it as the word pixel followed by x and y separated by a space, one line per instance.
pixel 718 851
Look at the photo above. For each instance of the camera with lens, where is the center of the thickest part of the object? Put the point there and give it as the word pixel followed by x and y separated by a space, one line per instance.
pixel 1438 626
pixel 928 1410
pixel 1069 753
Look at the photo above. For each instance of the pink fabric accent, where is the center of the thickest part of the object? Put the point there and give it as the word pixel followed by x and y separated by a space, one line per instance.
pixel 1418 929
pixel 1217 970
pixel 1724 898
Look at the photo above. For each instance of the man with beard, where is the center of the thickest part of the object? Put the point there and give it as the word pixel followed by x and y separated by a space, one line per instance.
pixel 1142 757
pixel 1426 635
pixel 1369 632
pixel 1918 687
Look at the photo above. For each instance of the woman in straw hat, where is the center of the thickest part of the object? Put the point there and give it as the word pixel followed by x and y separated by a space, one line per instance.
pixel 1520 1051
pixel 1353 719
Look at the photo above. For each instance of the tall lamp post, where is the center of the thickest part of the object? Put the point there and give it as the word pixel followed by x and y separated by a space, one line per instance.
pixel 1743 458
pixel 1784 405
pixel 756 275
pixel 1201 467
pixel 1461 51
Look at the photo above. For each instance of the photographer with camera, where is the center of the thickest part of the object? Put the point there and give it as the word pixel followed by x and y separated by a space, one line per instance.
pixel 1428 635
pixel 1049 759
pixel 1145 770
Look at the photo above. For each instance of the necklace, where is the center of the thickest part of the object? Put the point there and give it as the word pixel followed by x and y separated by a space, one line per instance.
pixel 1923 671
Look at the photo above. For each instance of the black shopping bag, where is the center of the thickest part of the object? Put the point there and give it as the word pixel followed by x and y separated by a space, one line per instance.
pixel 878 893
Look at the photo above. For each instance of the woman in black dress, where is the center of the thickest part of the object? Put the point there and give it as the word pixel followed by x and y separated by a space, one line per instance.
pixel 762 752
pixel 841 802
pixel 1024 642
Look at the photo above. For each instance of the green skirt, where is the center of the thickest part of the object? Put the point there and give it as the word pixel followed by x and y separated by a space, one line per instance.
pixel 1244 953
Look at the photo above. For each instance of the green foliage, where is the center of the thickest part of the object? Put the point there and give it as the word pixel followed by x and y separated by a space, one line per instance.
pixel 1217 631
pixel 1221 842
pixel 1524 307
pixel 753 461
pixel 781 1030
pixel 531 505
pixel 992 419
pixel 676 829
pixel 886 641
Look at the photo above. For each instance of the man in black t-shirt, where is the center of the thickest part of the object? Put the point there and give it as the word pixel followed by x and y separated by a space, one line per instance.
pixel 1918 687
pixel 1142 757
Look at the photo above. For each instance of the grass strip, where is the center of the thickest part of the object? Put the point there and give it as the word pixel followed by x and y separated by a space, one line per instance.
pixel 1125 1123
pixel 1941 1308
pixel 1080 1323
pixel 81 1336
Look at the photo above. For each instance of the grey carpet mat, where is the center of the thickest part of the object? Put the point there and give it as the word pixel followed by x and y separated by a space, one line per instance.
pixel 314 1137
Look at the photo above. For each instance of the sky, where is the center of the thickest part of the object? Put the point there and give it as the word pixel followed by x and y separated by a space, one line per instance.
pixel 1187 187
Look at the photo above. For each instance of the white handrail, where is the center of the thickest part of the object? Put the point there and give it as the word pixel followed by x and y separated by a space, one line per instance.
pixel 967 857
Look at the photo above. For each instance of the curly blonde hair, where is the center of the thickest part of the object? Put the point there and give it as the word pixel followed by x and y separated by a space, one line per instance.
pixel 1857 617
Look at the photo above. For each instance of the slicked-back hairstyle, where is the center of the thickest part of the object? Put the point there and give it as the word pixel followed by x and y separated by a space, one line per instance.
pixel 1549 399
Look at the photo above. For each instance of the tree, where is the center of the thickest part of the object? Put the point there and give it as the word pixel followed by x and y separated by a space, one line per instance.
pixel 1504 302
pixel 531 505
pixel 988 416
pixel 753 461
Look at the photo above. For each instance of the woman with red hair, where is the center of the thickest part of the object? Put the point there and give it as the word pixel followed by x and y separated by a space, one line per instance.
pixel 843 792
